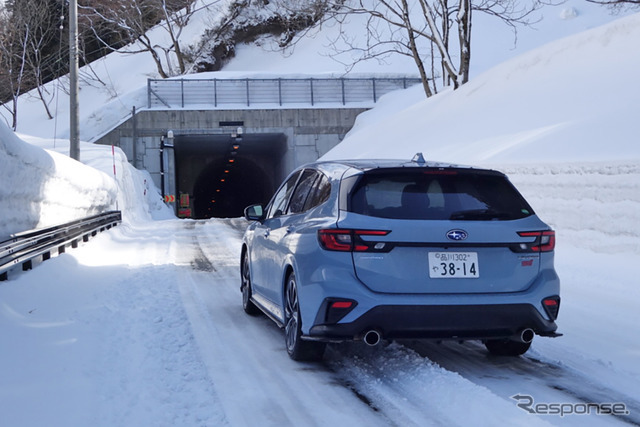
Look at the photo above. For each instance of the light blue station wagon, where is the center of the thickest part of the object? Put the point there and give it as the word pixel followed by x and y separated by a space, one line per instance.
pixel 392 249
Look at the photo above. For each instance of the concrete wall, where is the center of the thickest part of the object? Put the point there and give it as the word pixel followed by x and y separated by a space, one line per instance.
pixel 309 132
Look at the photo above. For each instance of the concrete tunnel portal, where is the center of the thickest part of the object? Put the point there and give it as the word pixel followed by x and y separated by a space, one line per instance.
pixel 219 175
pixel 215 162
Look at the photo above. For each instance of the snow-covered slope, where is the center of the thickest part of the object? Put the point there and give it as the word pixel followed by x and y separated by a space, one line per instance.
pixel 117 83
pixel 570 100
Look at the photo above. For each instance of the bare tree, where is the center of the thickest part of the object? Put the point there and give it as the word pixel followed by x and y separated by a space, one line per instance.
pixel 29 30
pixel 43 32
pixel 130 21
pixel 13 50
pixel 425 31
pixel 175 20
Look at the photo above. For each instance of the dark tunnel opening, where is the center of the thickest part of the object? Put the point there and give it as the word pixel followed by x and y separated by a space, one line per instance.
pixel 226 194
pixel 222 174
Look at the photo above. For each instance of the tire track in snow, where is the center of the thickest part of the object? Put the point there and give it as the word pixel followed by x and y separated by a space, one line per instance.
pixel 530 374
pixel 414 391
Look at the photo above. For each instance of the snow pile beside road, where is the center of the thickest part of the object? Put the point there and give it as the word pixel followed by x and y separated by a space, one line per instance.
pixel 42 188
pixel 594 206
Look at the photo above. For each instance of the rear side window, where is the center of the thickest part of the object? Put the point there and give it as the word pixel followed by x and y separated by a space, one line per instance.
pixel 301 193
pixel 438 195
pixel 279 202
pixel 319 194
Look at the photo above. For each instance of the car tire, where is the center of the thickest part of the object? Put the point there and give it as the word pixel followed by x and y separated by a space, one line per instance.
pixel 245 286
pixel 507 347
pixel 297 348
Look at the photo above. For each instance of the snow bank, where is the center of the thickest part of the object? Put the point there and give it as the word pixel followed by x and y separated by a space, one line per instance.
pixel 135 193
pixel 40 188
pixel 595 206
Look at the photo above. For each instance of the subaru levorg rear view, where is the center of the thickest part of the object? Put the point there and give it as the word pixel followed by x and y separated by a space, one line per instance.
pixel 372 250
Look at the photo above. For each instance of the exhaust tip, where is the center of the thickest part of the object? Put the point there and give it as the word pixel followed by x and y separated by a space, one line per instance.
pixel 526 335
pixel 372 338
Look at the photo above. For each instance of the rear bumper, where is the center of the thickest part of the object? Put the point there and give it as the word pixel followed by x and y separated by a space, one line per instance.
pixel 439 322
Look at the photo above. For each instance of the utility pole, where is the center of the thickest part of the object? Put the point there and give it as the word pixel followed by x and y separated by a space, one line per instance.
pixel 74 117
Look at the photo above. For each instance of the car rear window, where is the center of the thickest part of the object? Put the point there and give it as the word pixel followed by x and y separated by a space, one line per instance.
pixel 437 194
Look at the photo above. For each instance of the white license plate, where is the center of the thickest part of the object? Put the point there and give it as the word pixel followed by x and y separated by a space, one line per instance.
pixel 453 265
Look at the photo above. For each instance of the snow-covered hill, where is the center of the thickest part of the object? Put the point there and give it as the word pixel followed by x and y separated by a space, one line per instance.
pixel 572 100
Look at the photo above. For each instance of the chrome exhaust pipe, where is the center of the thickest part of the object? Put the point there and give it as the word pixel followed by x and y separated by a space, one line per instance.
pixel 372 338
pixel 526 335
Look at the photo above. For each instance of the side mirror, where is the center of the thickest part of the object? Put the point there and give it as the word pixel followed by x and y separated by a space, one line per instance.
pixel 254 213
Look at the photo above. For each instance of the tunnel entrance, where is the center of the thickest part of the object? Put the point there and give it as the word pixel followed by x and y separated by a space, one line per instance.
pixel 219 175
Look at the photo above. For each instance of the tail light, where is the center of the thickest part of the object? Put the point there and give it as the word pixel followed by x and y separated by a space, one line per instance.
pixel 348 240
pixel 552 306
pixel 545 241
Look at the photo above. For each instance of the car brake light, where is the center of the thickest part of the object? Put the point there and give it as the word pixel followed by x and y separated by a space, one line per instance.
pixel 348 240
pixel 545 241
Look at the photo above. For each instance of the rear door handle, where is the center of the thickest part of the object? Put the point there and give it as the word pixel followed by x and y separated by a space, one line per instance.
pixel 267 232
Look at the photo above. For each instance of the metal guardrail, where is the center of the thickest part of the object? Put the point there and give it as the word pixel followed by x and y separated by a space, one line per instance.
pixel 24 247
pixel 180 93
